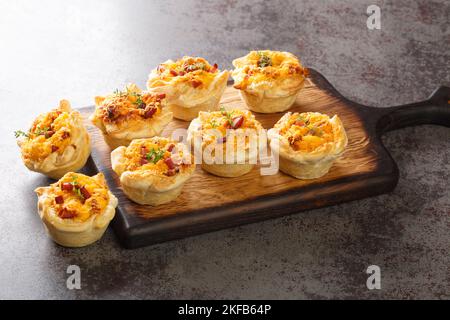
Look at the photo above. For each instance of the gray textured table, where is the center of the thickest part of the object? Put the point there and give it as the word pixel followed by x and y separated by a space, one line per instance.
pixel 76 50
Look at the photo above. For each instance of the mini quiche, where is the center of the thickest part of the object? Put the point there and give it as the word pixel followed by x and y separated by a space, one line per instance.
pixel 152 171
pixel 130 114
pixel 269 80
pixel 56 143
pixel 227 141
pixel 307 143
pixel 77 209
pixel 191 85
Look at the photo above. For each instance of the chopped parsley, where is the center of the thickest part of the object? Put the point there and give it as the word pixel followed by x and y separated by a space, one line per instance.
pixel 303 119
pixel 264 60
pixel 214 123
pixel 76 186
pixel 38 131
pixel 139 100
pixel 41 131
pixel 154 155
pixel 20 133
pixel 227 114
pixel 195 66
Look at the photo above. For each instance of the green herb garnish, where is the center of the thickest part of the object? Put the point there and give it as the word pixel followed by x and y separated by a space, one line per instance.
pixel 75 186
pixel 138 101
pixel 195 66
pixel 154 155
pixel 40 130
pixel 303 119
pixel 118 92
pixel 227 114
pixel 264 60
pixel 214 123
pixel 20 133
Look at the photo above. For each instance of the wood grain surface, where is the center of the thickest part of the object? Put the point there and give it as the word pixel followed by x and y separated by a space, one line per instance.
pixel 209 203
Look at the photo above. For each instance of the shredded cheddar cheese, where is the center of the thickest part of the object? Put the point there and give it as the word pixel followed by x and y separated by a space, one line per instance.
pixel 307 131
pixel 266 66
pixel 127 105
pixel 50 132
pixel 223 121
pixel 155 155
pixel 78 197
pixel 193 70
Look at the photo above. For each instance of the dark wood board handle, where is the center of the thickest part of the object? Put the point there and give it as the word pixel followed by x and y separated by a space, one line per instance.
pixel 434 110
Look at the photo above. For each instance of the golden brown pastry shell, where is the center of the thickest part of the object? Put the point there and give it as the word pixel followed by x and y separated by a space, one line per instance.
pixel 69 233
pixel 74 156
pixel 116 136
pixel 308 165
pixel 263 103
pixel 145 187
pixel 186 101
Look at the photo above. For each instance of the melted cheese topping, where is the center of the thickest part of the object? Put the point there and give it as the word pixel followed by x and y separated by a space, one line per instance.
pixel 156 155
pixel 49 133
pixel 193 70
pixel 307 131
pixel 266 66
pixel 224 121
pixel 82 196
pixel 130 104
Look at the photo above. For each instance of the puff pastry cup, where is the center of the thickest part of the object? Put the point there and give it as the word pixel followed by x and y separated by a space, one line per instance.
pixel 269 80
pixel 130 114
pixel 226 141
pixel 191 85
pixel 152 171
pixel 308 143
pixel 56 143
pixel 77 209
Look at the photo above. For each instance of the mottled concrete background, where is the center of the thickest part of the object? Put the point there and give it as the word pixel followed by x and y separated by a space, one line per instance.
pixel 78 49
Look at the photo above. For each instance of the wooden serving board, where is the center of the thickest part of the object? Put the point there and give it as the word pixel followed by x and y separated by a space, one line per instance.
pixel 209 203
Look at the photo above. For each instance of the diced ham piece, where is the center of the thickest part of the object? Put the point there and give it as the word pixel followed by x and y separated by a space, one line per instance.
pixel 237 122
pixel 110 112
pixel 149 113
pixel 160 96
pixel 214 68
pixel 170 173
pixel 66 214
pixel 59 200
pixel 170 148
pixel 196 83
pixel 85 193
pixel 169 163
pixel 65 135
pixel 67 186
